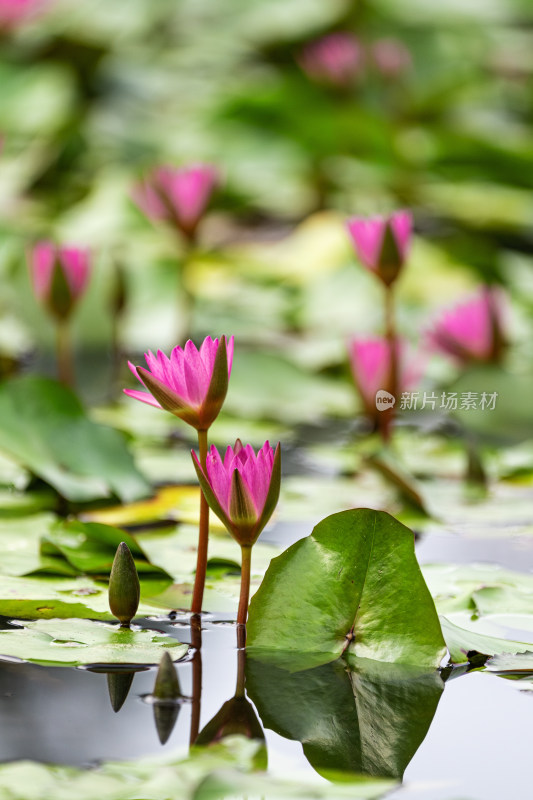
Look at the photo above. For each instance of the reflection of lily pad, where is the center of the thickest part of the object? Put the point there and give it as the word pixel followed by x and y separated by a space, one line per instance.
pixel 369 719
pixel 73 642
pixel 509 662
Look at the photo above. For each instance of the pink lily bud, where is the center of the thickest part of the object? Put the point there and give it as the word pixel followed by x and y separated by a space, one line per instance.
pixel 14 13
pixel 242 490
pixel 335 59
pixel 59 276
pixel 179 196
pixel 371 364
pixel 391 57
pixel 191 384
pixel 382 243
pixel 472 331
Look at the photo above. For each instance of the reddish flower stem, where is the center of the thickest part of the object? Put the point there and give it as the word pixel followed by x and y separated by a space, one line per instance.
pixel 65 367
pixel 246 552
pixel 203 535
pixel 196 642
pixel 390 334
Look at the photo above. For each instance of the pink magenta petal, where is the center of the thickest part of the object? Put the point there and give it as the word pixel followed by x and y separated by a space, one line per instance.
pixel 42 262
pixel 76 266
pixel 402 225
pixel 219 479
pixel 144 397
pixel 367 235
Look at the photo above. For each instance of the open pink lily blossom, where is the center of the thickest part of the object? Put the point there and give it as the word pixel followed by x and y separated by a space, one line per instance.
pixel 191 384
pixel 177 195
pixel 59 276
pixel 14 13
pixel 243 488
pixel 335 59
pixel 472 331
pixel 370 360
pixel 382 243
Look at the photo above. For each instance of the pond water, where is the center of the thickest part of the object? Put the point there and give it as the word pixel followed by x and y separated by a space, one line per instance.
pixel 477 745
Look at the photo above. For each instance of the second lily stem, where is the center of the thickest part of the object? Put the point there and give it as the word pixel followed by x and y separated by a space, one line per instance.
pixel 203 535
pixel 390 335
pixel 245 588
pixel 64 354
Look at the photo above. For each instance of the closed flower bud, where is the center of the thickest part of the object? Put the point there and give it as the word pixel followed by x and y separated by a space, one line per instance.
pixel 59 276
pixel 167 685
pixel 242 490
pixel 382 243
pixel 124 588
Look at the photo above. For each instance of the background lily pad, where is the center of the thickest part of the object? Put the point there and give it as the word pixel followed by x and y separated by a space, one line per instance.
pixel 44 428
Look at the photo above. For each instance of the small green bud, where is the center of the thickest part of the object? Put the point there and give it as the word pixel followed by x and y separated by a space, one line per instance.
pixel 167 685
pixel 124 588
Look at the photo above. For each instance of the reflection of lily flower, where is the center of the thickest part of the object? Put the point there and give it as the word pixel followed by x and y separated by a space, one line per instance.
pixel 335 59
pixel 471 331
pixel 177 195
pixel 191 384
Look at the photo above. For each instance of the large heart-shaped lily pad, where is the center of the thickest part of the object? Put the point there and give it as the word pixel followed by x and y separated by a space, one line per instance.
pixel 368 717
pixel 76 642
pixel 353 585
pixel 44 428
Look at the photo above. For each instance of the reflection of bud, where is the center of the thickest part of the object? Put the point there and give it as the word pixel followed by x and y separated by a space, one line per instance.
pixel 167 685
pixel 236 717
pixel 119 685
pixel 165 696
pixel 165 716
pixel 124 588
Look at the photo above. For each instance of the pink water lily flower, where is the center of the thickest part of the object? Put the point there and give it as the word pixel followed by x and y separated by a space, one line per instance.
pixel 16 12
pixel 191 384
pixel 177 195
pixel 382 243
pixel 59 276
pixel 391 57
pixel 336 58
pixel 370 360
pixel 243 489
pixel 472 331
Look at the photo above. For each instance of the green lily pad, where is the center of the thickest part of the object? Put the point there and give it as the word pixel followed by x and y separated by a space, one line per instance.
pixel 368 717
pixel 60 597
pixel 353 585
pixel 511 662
pixel 464 636
pixel 76 642
pixel 89 548
pixel 44 428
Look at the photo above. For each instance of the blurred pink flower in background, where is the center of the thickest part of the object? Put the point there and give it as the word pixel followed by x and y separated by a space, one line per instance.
pixel 243 489
pixel 370 360
pixel 16 12
pixel 59 275
pixel 336 58
pixel 471 331
pixel 177 195
pixel 391 57
pixel 382 243
pixel 191 384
